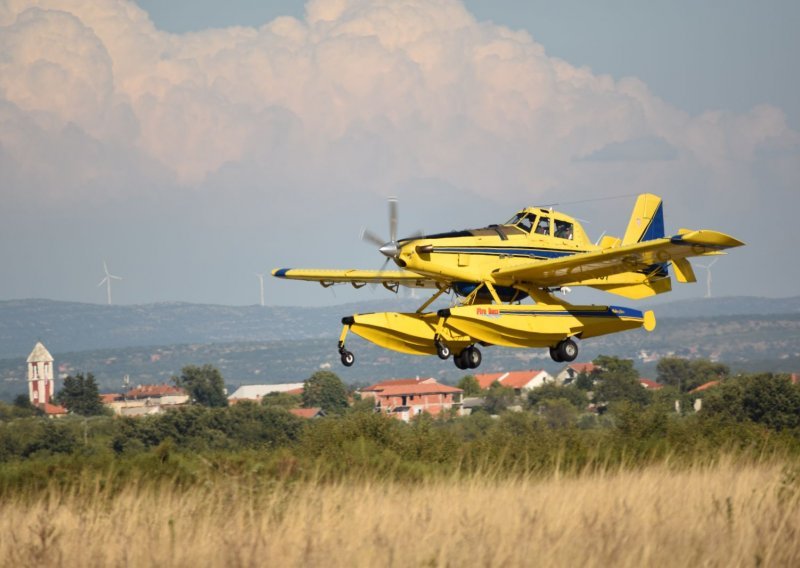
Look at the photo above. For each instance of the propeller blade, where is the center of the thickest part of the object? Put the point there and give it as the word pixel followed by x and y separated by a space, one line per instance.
pixel 369 236
pixel 392 219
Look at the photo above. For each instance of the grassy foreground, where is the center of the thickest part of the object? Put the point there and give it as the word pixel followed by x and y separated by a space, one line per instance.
pixel 726 514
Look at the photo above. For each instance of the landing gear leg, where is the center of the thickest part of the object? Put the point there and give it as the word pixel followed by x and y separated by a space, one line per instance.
pixel 346 356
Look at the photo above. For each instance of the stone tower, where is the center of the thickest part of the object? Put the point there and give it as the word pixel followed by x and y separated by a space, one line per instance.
pixel 41 386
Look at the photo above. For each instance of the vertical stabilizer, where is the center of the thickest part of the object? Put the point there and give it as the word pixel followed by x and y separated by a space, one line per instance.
pixel 647 220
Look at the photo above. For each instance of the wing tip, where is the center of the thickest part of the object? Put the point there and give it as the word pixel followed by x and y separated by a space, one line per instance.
pixel 280 272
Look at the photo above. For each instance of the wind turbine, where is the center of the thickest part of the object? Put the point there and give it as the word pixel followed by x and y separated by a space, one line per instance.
pixel 708 275
pixel 261 284
pixel 107 281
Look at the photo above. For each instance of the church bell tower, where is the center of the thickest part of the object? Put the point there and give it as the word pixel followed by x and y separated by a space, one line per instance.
pixel 41 386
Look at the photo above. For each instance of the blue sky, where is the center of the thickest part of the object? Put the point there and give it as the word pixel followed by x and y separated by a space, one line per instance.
pixel 191 144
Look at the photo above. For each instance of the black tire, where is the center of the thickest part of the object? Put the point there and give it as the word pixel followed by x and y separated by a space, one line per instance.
pixel 348 359
pixel 443 351
pixel 473 357
pixel 568 350
pixel 460 360
pixel 555 356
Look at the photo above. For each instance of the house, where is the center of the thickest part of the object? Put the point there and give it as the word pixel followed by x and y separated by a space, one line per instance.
pixel 570 373
pixel 518 380
pixel 369 392
pixel 404 399
pixel 650 385
pixel 145 399
pixel 308 412
pixel 256 392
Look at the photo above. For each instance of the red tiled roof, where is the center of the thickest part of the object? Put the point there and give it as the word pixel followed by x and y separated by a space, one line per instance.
pixel 396 382
pixel 583 367
pixel 705 386
pixel 110 397
pixel 513 379
pixel 295 391
pixel 306 412
pixel 485 380
pixel 650 385
pixel 145 391
pixel 53 409
pixel 419 388
pixel 519 379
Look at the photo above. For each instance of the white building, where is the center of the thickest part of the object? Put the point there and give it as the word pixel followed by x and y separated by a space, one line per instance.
pixel 257 392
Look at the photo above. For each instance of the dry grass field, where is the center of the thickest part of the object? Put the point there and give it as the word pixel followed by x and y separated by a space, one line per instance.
pixel 723 515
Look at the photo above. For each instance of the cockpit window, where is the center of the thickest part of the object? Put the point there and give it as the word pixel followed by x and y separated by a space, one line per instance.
pixel 515 219
pixel 527 222
pixel 524 221
pixel 543 228
pixel 563 230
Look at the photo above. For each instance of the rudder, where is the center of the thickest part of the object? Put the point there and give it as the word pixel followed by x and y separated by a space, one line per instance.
pixel 647 220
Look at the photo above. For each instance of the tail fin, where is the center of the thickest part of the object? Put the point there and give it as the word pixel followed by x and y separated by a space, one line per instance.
pixel 647 220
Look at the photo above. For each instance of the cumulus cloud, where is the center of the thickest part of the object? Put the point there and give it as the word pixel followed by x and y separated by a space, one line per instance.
pixel 359 95
pixel 416 87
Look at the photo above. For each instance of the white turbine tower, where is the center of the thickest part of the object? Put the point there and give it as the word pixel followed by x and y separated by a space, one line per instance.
pixel 107 281
pixel 708 275
pixel 261 286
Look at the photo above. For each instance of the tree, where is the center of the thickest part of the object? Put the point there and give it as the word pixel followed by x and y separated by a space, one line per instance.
pixel 550 391
pixel 205 385
pixel 687 375
pixel 80 395
pixel 470 385
pixel 281 399
pixel 617 380
pixel 498 398
pixel 326 390
pixel 763 398
pixel 584 381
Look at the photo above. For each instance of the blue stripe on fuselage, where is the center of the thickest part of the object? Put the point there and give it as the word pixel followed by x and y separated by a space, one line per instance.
pixel 505 251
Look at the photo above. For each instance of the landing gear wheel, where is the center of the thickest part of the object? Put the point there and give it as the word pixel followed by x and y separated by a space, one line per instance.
pixel 347 358
pixel 461 361
pixel 473 357
pixel 554 355
pixel 567 350
pixel 442 350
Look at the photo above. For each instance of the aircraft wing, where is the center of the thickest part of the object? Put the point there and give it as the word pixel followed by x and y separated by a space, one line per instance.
pixel 635 257
pixel 358 278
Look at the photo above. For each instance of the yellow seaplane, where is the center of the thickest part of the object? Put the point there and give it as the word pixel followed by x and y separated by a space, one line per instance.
pixel 506 277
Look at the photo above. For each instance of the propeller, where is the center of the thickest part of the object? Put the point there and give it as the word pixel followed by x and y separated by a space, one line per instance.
pixel 390 249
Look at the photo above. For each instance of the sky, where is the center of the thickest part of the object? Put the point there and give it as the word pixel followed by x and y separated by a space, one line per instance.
pixel 194 144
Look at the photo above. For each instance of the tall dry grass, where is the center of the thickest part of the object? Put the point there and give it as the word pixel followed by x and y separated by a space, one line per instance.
pixel 728 514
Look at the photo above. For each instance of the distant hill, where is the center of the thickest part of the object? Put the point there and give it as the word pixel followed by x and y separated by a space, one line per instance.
pixel 72 327
pixel 731 306
pixel 764 342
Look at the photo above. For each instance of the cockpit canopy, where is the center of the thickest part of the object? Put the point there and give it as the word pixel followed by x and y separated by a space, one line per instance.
pixel 543 222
